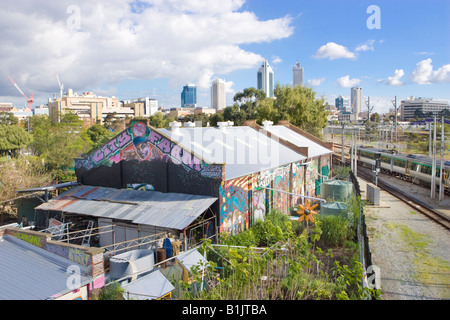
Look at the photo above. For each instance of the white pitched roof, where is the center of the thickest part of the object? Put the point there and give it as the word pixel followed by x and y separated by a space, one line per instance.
pixel 243 150
pixel 283 132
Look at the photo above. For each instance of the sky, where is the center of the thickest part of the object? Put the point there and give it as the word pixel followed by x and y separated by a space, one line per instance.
pixel 132 49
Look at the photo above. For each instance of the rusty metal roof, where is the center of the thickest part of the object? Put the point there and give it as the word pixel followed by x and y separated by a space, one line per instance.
pixel 168 210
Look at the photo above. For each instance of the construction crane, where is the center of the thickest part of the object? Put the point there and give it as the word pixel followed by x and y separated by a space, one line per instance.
pixel 61 86
pixel 29 100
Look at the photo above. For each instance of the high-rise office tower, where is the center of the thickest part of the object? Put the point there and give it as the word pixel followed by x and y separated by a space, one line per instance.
pixel 265 79
pixel 218 97
pixel 356 99
pixel 341 103
pixel 297 75
pixel 189 96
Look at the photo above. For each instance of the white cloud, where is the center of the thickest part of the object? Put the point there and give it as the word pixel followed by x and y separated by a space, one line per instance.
pixel 276 60
pixel 346 82
pixel 424 74
pixel 366 46
pixel 185 41
pixel 315 82
pixel 333 51
pixel 395 79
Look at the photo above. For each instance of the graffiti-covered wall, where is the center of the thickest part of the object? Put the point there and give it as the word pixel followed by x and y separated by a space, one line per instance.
pixel 280 181
pixel 234 205
pixel 142 155
pixel 311 177
pixel 298 182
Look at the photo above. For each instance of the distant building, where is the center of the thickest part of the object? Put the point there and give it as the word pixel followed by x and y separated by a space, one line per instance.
pixel 345 116
pixel 143 107
pixel 40 110
pixel 218 96
pixel 189 96
pixel 297 75
pixel 356 99
pixel 6 106
pixel 265 80
pixel 199 110
pixel 341 103
pixel 408 108
pixel 89 107
pixel 180 112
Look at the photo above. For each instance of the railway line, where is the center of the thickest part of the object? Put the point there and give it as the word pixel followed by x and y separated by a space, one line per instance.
pixel 415 203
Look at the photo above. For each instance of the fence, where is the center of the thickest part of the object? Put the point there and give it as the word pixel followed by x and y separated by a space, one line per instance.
pixel 363 239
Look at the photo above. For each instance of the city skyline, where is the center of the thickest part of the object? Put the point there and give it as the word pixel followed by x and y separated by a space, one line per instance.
pixel 132 49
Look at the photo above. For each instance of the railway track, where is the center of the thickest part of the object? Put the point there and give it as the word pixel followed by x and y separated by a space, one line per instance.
pixel 417 204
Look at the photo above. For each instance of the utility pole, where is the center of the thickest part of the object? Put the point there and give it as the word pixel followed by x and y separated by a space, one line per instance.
pixel 433 167
pixel 429 141
pixel 342 151
pixel 369 109
pixel 441 167
pixel 394 102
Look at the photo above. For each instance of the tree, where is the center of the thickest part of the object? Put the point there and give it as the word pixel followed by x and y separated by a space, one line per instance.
pixel 300 106
pixel 13 137
pixel 235 114
pixel 215 118
pixel 112 122
pixel 8 118
pixel 99 135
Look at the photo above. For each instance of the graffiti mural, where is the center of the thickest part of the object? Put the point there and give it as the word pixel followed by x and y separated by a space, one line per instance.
pixel 281 182
pixel 298 181
pixel 311 177
pixel 234 208
pixel 140 186
pixel 325 163
pixel 142 143
pixel 259 205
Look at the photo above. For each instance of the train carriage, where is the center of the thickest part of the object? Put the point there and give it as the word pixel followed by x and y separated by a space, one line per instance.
pixel 415 168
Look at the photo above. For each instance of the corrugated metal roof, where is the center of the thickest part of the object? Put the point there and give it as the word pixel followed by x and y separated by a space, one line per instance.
pixel 151 286
pixel 283 132
pixel 168 210
pixel 31 273
pixel 243 150
pixel 192 258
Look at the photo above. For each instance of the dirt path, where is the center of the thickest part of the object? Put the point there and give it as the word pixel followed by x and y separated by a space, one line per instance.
pixel 412 252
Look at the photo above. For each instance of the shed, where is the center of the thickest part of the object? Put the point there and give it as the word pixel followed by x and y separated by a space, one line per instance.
pixel 150 287
pixel 32 273
pixel 147 212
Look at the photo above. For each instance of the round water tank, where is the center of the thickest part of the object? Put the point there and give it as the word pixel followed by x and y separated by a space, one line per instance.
pixel 333 208
pixel 131 263
pixel 337 190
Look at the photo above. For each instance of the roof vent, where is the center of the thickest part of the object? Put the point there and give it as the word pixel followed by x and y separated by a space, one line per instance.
pixel 174 125
pixel 267 124
pixel 223 125
pixel 189 124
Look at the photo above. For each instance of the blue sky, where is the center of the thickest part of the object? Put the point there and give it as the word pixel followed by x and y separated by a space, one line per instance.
pixel 133 49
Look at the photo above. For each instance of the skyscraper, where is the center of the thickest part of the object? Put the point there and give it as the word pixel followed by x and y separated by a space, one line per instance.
pixel 298 75
pixel 189 96
pixel 265 79
pixel 356 99
pixel 218 97
pixel 341 103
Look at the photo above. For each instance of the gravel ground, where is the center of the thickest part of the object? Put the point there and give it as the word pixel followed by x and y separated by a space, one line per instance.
pixel 412 252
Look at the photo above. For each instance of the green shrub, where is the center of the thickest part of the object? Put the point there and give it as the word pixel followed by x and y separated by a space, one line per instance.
pixel 335 230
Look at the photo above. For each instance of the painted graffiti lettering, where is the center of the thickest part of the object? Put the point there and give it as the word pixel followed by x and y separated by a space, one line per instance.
pixel 164 145
pixel 79 257
pixel 138 143
pixel 123 139
pixel 32 239
pixel 154 137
